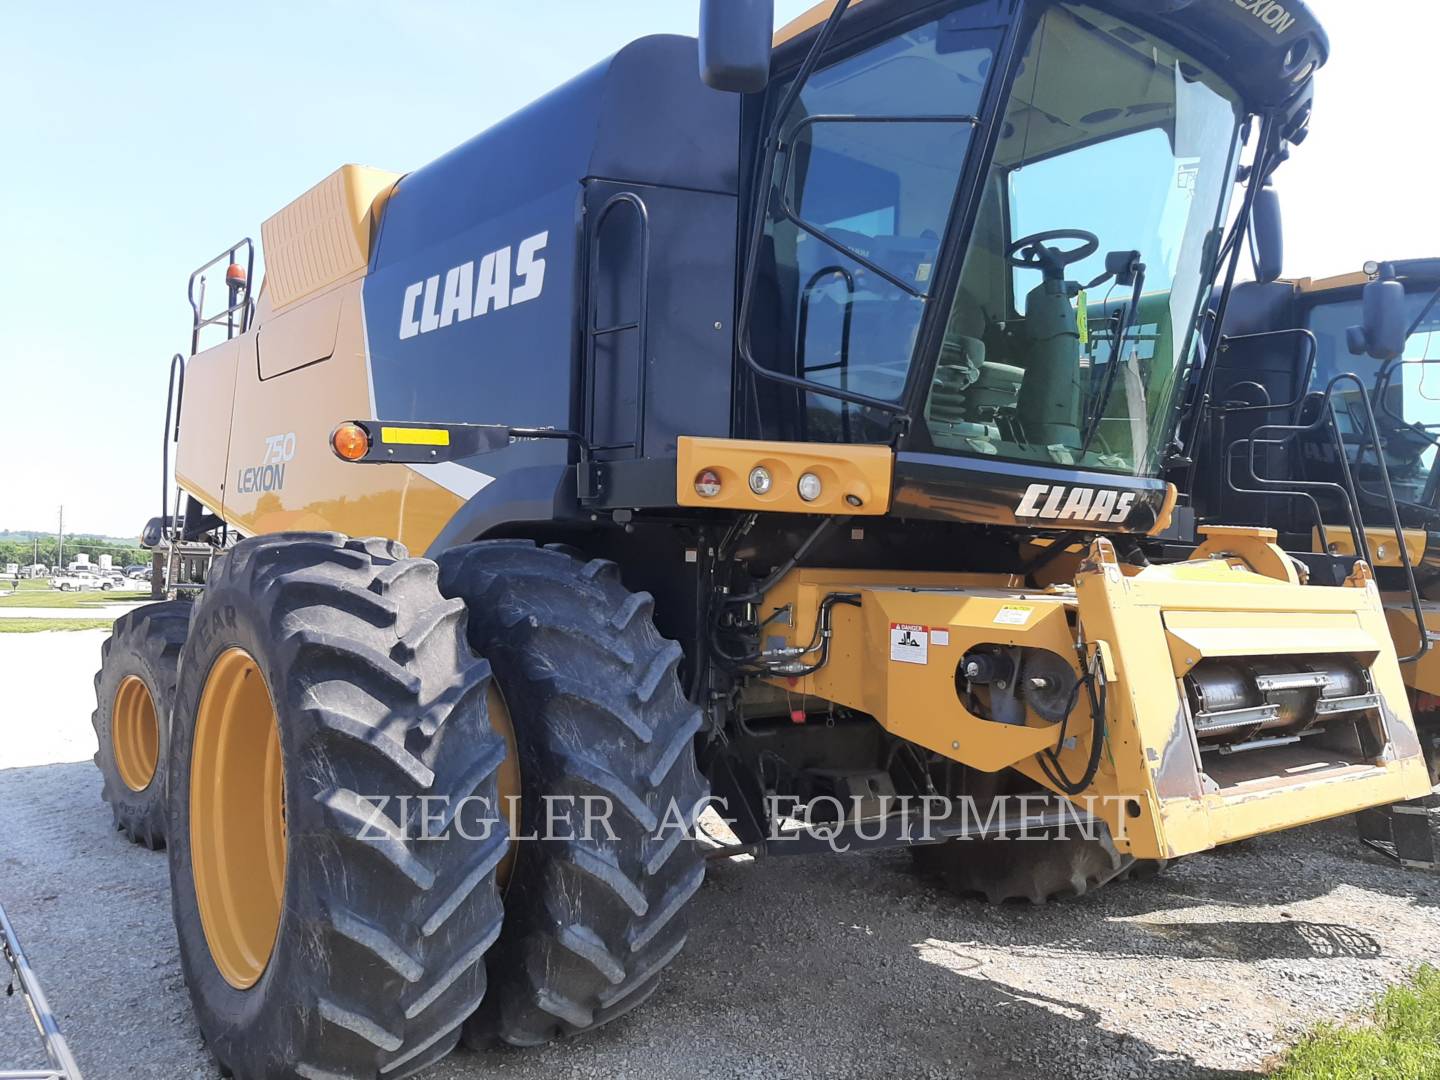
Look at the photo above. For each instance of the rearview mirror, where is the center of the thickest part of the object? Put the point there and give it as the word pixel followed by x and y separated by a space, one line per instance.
pixel 1382 336
pixel 735 44
pixel 1267 235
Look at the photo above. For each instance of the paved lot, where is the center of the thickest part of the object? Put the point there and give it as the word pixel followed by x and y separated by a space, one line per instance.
pixel 841 967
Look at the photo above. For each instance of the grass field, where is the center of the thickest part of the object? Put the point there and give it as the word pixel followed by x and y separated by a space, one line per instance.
pixel 38 625
pixel 37 593
pixel 1402 1043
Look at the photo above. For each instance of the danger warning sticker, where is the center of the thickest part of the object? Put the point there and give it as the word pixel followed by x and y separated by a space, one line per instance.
pixel 909 644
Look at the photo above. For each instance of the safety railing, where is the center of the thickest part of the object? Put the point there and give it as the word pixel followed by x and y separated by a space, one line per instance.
pixel 639 325
pixel 1326 421
pixel 239 308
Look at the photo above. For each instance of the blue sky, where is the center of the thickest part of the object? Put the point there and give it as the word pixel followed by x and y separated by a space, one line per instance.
pixel 138 140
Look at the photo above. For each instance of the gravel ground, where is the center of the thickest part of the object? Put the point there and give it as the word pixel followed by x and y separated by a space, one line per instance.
pixel 826 966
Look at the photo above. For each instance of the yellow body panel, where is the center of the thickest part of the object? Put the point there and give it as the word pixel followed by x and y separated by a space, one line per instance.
pixel 1339 281
pixel 205 410
pixel 1422 675
pixel 324 235
pixel 808 20
pixel 1384 551
pixel 855 479
pixel 271 422
pixel 1149 628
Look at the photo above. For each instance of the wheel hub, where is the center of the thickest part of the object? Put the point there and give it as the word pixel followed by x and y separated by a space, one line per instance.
pixel 135 733
pixel 237 818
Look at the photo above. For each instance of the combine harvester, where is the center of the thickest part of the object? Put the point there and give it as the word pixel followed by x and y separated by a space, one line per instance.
pixel 745 420
pixel 1314 379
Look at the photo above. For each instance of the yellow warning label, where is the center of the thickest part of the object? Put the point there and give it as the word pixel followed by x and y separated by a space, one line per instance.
pixel 1082 319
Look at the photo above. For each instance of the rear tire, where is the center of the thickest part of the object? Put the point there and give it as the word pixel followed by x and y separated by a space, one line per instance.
pixel 378 921
pixel 592 920
pixel 134 692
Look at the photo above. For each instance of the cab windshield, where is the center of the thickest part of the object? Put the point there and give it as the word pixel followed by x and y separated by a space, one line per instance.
pixel 1111 142
pixel 1406 404
pixel 1117 152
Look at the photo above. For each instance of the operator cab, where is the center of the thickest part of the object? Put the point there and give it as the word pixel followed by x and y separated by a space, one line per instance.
pixel 989 235
pixel 1271 371
pixel 1405 393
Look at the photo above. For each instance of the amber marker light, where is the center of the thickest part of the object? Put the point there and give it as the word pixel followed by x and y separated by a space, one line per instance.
pixel 350 441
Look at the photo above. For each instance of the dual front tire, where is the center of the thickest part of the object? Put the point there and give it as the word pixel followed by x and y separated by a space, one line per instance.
pixel 339 844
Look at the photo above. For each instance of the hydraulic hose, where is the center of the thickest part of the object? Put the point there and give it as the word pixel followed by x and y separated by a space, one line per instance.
pixel 806 546
pixel 1050 759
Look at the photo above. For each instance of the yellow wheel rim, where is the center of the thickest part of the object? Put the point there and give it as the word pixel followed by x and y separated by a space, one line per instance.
pixel 135 733
pixel 237 818
pixel 508 777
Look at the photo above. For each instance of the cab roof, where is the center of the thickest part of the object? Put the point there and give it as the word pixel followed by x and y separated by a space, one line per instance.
pixel 1268 49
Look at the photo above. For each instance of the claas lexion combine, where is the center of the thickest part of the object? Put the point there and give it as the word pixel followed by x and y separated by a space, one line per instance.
pixel 793 431
pixel 1323 408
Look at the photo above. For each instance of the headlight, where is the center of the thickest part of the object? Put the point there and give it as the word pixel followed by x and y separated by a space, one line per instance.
pixel 809 487
pixel 760 480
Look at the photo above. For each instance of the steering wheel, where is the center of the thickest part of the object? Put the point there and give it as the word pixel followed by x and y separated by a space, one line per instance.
pixel 1030 252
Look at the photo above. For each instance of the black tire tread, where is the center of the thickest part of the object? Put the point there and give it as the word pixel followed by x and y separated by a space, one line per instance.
pixel 385 696
pixel 145 641
pixel 1034 870
pixel 590 923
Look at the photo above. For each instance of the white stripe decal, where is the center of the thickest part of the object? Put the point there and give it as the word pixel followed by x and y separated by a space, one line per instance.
pixel 454 477
pixel 365 337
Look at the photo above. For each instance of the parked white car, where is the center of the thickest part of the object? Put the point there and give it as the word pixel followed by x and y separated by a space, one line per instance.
pixel 80 580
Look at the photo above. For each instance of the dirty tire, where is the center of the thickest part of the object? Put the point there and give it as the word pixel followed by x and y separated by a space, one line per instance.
pixel 591 687
pixel 379 953
pixel 1143 869
pixel 144 644
pixel 1036 870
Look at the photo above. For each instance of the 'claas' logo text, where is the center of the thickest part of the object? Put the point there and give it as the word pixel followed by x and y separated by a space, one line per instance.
pixel 1056 502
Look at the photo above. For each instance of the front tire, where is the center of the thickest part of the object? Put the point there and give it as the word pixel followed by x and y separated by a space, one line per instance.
pixel 134 692
pixel 592 915
pixel 325 933
pixel 1036 870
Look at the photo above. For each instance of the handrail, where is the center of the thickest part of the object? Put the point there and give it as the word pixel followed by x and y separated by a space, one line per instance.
pixel 174 400
pixel 1326 414
pixel 240 298
pixel 846 321
pixel 640 324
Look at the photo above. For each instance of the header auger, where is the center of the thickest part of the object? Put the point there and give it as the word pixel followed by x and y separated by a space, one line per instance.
pixel 793 433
